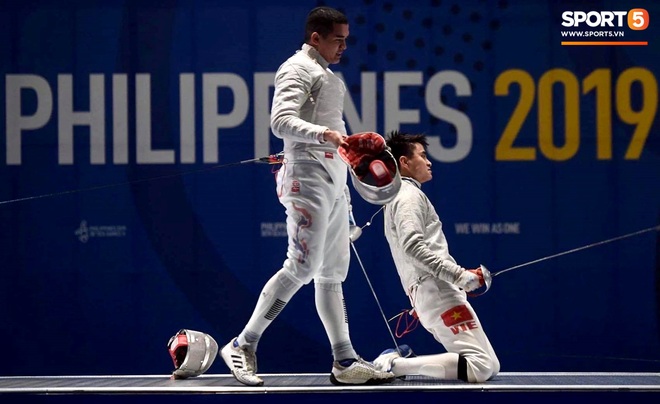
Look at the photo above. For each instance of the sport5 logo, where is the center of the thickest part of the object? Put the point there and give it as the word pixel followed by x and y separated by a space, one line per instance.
pixel 638 18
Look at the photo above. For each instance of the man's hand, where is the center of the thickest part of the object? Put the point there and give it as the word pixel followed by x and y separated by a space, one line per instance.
pixel 471 279
pixel 366 143
pixel 336 138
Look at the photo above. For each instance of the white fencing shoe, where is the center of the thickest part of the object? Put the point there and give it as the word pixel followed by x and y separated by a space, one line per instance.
pixel 358 371
pixel 242 363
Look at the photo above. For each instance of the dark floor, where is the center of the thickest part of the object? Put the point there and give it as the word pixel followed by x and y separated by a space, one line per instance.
pixel 319 383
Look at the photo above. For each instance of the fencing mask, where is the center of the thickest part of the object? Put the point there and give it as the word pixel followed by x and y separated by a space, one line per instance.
pixel 374 171
pixel 192 352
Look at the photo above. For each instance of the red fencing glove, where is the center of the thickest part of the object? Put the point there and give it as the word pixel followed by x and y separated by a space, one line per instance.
pixel 362 150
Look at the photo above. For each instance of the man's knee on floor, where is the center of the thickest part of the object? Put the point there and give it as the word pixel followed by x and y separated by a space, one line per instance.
pixel 473 370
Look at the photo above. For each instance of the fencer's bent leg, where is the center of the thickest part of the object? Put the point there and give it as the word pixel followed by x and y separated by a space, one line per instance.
pixel 306 225
pixel 309 211
pixel 275 294
pixel 442 366
pixel 445 312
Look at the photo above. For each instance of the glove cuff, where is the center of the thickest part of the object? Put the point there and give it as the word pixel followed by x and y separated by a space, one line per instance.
pixel 320 137
pixel 449 271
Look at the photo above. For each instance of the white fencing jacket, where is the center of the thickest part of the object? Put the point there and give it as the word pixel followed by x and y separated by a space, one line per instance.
pixel 414 232
pixel 308 99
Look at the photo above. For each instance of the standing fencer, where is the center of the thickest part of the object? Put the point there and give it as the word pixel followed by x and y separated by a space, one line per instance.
pixel 431 278
pixel 307 113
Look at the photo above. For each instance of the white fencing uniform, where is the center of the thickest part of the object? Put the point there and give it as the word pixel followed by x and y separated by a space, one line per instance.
pixel 312 186
pixel 312 183
pixel 418 245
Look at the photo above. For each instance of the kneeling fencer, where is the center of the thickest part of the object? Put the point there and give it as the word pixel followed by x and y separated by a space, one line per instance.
pixel 434 283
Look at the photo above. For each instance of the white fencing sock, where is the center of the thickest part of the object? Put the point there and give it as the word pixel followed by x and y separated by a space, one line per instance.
pixel 275 294
pixel 330 306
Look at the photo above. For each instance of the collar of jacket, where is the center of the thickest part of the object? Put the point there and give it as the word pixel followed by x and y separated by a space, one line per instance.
pixel 310 51
pixel 413 181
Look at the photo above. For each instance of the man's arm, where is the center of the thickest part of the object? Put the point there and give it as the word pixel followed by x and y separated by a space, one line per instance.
pixel 408 219
pixel 293 86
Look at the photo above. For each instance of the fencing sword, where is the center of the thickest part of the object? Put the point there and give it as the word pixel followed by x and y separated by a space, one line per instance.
pixel 488 276
pixel 270 159
pixel 354 233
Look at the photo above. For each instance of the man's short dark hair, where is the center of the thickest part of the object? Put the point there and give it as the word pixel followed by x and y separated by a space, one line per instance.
pixel 322 20
pixel 403 144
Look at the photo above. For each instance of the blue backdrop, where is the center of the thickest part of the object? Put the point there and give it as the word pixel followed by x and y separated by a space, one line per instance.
pixel 120 222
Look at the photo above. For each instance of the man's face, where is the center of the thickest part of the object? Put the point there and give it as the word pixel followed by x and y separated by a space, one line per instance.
pixel 332 46
pixel 418 166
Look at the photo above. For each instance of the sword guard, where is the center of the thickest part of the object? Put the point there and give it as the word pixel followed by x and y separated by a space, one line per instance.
pixel 272 159
pixel 488 280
